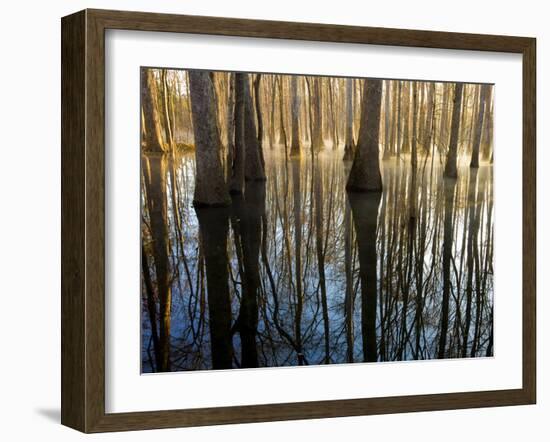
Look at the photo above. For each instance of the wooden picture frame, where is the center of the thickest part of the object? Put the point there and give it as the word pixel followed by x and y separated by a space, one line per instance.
pixel 83 219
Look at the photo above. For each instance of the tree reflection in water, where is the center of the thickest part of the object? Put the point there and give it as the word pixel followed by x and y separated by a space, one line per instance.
pixel 298 272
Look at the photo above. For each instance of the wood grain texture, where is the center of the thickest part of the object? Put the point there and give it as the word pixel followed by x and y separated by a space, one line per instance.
pixel 83 218
pixel 73 129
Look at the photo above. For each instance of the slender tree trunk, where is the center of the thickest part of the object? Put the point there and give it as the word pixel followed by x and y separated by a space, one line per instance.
pixel 281 116
pixel 318 141
pixel 165 107
pixel 399 119
pixel 348 145
pixel 474 163
pixel 414 160
pixel 405 141
pixel 257 101
pixel 236 185
pixel 254 160
pixel 387 118
pixel 295 116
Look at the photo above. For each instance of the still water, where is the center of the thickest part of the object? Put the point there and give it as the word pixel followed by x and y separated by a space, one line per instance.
pixel 299 272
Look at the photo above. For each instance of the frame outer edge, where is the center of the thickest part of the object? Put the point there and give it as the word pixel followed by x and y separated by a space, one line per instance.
pixel 529 220
pixel 73 132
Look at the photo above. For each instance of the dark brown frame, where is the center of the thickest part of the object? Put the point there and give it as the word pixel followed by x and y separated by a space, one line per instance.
pixel 83 216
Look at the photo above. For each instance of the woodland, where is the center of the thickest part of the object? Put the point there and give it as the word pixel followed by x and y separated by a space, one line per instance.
pixel 292 220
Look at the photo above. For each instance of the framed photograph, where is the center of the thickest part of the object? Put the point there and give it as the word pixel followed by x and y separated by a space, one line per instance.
pixel 266 221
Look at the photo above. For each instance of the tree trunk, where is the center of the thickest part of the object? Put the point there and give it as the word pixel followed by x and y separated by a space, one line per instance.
pixel 153 133
pixel 365 171
pixel 474 163
pixel 236 185
pixel 166 111
pixel 258 105
pixel 210 187
pixel 348 146
pixel 450 167
pixel 318 139
pixel 295 144
pixel 387 118
pixel 254 163
pixel 414 158
pixel 230 130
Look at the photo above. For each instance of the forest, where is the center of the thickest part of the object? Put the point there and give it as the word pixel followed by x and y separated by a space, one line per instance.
pixel 291 220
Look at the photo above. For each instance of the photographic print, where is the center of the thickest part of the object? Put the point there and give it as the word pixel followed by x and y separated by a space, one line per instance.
pixel 293 220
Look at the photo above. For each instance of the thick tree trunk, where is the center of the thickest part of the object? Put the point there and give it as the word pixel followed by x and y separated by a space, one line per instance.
pixel 210 186
pixel 152 129
pixel 365 171
pixel 450 167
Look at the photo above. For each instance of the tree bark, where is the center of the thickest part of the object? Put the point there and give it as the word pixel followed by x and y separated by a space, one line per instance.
pixel 348 145
pixel 210 186
pixel 236 185
pixel 474 162
pixel 254 162
pixel 153 132
pixel 365 171
pixel 295 144
pixel 450 167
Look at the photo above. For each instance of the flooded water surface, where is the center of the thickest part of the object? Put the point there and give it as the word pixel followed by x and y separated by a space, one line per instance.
pixel 298 271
